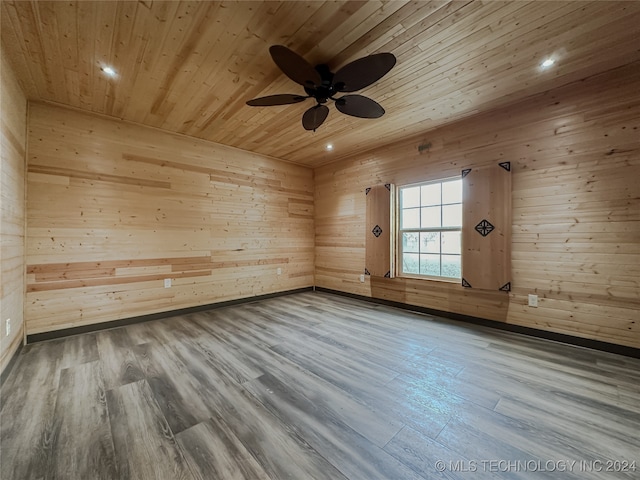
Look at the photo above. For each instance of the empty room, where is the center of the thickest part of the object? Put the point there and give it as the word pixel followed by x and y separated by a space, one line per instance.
pixel 373 240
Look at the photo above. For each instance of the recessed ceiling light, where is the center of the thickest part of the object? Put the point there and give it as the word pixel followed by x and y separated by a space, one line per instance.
pixel 548 62
pixel 329 147
pixel 109 71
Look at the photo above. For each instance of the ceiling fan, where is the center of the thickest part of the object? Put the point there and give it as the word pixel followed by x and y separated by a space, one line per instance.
pixel 322 85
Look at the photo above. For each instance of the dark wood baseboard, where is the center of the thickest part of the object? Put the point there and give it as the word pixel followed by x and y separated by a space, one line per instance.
pixel 532 332
pixel 10 364
pixel 66 332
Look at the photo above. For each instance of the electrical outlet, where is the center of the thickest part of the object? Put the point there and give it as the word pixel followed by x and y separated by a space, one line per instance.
pixel 533 300
pixel 279 271
pixel 362 278
pixel 167 283
pixel 8 326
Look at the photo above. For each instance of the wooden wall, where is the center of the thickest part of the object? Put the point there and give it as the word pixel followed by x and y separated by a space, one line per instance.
pixel 13 119
pixel 114 209
pixel 575 152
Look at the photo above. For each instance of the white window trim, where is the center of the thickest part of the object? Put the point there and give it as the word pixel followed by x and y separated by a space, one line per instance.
pixel 398 231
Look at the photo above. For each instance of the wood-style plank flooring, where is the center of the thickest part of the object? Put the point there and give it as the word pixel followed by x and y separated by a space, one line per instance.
pixel 317 386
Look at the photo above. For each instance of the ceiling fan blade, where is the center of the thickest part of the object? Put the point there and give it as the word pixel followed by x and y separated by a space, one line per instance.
pixel 359 106
pixel 363 72
pixel 294 66
pixel 282 99
pixel 314 117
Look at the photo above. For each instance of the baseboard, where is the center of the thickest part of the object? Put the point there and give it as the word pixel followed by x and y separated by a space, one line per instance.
pixel 66 332
pixel 9 366
pixel 532 332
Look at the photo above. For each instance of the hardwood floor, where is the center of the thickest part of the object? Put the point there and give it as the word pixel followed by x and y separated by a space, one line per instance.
pixel 317 386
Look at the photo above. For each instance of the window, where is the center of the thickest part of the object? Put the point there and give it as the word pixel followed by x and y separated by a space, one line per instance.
pixel 430 227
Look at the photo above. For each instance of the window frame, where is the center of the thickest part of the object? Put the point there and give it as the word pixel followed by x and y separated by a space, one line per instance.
pixel 398 250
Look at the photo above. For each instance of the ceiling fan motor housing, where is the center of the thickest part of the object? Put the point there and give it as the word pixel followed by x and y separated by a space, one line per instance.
pixel 326 90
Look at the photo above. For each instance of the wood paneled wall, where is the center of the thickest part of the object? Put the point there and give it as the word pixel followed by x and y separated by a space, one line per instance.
pixel 13 119
pixel 575 154
pixel 114 209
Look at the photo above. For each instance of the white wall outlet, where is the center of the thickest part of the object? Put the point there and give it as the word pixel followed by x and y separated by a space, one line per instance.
pixel 279 271
pixel 167 283
pixel 533 300
pixel 8 326
pixel 362 278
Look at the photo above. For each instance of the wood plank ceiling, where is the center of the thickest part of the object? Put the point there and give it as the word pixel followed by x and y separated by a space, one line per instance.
pixel 189 67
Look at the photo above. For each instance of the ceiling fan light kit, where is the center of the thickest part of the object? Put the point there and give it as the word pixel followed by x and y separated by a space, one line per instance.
pixel 322 85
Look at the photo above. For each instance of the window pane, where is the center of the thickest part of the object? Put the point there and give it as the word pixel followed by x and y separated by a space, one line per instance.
pixel 430 242
pixel 452 215
pixel 430 217
pixel 451 242
pixel 410 263
pixel 452 192
pixel 430 194
pixel 410 242
pixel 451 266
pixel 430 265
pixel 432 209
pixel 410 197
pixel 410 218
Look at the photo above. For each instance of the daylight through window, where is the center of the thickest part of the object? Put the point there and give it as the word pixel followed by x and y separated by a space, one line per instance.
pixel 430 225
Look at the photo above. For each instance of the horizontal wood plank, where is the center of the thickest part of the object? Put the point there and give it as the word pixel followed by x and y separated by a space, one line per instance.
pixel 218 222
pixel 454 59
pixel 575 215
